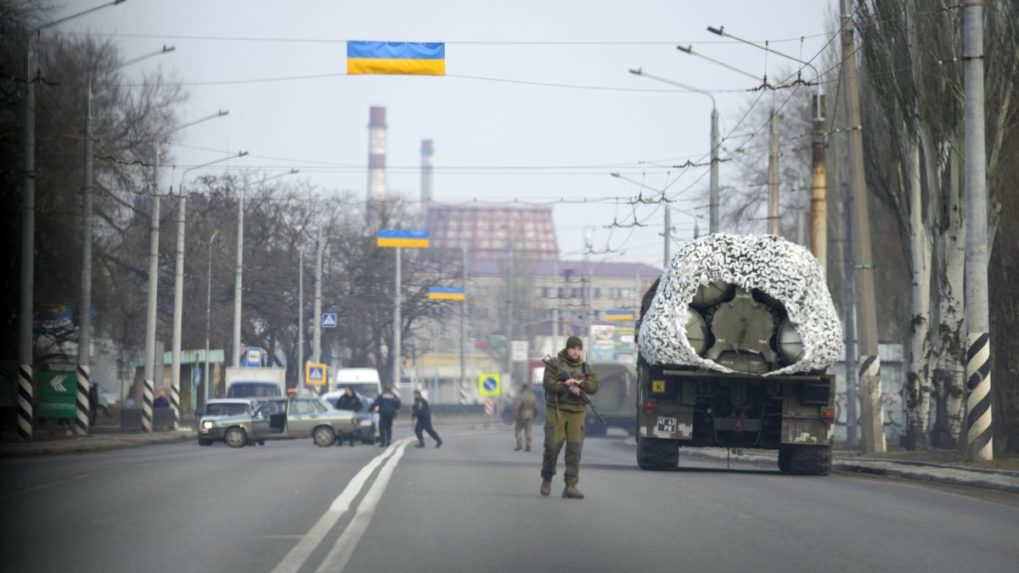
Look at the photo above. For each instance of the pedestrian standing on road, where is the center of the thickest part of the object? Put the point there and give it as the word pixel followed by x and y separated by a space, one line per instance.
pixel 349 401
pixel 422 417
pixel 386 404
pixel 565 385
pixel 525 409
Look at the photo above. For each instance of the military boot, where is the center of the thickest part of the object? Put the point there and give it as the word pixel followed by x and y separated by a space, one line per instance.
pixel 571 492
pixel 546 486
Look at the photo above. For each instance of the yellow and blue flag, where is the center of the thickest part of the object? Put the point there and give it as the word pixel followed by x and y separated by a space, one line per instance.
pixel 619 315
pixel 446 293
pixel 423 59
pixel 402 238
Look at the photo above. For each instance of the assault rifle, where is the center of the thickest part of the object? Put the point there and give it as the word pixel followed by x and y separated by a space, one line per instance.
pixel 563 376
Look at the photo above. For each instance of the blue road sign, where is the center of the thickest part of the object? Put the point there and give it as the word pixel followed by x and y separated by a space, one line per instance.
pixel 328 320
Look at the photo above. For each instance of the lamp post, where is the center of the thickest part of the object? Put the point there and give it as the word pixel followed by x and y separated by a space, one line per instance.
pixel 208 313
pixel 84 382
pixel 153 287
pixel 178 290
pixel 26 388
pixel 714 198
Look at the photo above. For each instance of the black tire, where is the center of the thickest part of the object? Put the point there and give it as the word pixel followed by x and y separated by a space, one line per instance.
pixel 654 454
pixel 235 437
pixel 805 460
pixel 202 442
pixel 323 436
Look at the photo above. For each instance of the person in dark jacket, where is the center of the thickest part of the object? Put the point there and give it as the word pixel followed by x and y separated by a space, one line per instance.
pixel 93 403
pixel 386 404
pixel 349 401
pixel 423 417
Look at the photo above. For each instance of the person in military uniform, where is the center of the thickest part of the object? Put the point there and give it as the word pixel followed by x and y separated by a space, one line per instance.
pixel 525 409
pixel 565 386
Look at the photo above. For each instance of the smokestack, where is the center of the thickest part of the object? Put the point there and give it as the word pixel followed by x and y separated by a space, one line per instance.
pixel 377 155
pixel 426 174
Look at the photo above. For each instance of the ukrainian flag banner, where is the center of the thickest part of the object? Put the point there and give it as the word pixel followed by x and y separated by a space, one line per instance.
pixel 396 58
pixel 619 315
pixel 402 238
pixel 446 293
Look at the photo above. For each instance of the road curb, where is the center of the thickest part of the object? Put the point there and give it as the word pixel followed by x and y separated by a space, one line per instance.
pixel 100 443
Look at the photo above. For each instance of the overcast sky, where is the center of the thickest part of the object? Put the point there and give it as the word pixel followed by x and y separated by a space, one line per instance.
pixel 537 104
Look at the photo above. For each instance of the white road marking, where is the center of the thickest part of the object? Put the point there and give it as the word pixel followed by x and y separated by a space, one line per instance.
pixel 340 554
pixel 304 548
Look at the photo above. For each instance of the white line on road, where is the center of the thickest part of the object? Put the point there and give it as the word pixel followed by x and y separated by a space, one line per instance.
pixel 300 553
pixel 340 554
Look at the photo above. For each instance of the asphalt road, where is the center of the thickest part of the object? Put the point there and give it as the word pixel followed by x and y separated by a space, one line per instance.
pixel 473 505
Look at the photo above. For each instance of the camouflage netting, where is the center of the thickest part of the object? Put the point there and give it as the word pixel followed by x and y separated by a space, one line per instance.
pixel 783 270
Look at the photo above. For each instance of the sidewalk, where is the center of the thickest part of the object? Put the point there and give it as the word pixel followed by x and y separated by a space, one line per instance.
pixel 938 466
pixel 57 442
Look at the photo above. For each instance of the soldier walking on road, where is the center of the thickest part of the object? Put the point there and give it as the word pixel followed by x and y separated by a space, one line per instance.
pixel 422 416
pixel 525 409
pixel 386 404
pixel 565 387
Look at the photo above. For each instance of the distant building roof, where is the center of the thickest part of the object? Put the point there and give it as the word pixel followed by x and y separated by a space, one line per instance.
pixel 492 232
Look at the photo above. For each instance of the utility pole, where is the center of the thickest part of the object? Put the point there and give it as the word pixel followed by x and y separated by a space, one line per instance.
pixel 819 187
pixel 463 326
pixel 300 320
pixel 396 323
pixel 239 274
pixel 555 308
pixel 713 211
pixel 979 436
pixel 870 361
pixel 84 381
pixel 849 318
pixel 667 253
pixel 774 226
pixel 510 276
pixel 316 341
pixel 208 316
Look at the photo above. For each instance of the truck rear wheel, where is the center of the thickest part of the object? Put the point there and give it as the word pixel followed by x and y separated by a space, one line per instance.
pixel 654 454
pixel 804 460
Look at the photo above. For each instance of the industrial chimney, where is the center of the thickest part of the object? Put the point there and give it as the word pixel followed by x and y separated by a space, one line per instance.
pixel 377 155
pixel 426 174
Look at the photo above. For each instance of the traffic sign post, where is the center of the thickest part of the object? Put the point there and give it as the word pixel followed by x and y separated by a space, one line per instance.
pixel 315 374
pixel 399 239
pixel 490 384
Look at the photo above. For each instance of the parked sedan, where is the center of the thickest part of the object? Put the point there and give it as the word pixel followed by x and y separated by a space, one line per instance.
pixel 282 419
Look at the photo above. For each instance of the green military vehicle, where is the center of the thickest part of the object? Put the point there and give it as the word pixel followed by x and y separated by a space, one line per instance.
pixel 737 359
pixel 617 386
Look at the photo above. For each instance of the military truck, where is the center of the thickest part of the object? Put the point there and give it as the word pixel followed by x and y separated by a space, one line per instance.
pixel 733 343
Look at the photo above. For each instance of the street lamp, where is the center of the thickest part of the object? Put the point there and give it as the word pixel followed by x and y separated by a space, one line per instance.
pixel 713 226
pixel 239 271
pixel 178 289
pixel 26 389
pixel 208 312
pixel 84 382
pixel 153 287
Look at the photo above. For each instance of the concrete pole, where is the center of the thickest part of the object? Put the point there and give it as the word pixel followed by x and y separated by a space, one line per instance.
pixel 239 275
pixel 870 362
pixel 510 276
pixel 178 310
pixel 849 319
pixel 316 339
pixel 555 308
pixel 84 382
pixel 715 199
pixel 667 236
pixel 300 320
pixel 208 315
pixel 774 220
pixel 819 189
pixel 396 324
pixel 26 389
pixel 463 322
pixel 153 287
pixel 979 435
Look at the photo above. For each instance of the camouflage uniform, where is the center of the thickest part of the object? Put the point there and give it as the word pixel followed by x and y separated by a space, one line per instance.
pixel 564 416
pixel 524 411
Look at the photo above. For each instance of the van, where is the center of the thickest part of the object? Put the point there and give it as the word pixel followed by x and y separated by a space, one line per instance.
pixel 365 381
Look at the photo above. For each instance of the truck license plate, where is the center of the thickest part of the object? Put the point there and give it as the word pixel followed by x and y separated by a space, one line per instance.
pixel 667 425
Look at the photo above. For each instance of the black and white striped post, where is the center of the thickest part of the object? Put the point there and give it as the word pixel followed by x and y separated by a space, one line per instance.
pixel 25 392
pixel 147 397
pixel 81 421
pixel 175 405
pixel 978 348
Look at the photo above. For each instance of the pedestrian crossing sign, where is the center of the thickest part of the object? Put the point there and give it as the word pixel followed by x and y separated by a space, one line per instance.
pixel 489 384
pixel 315 374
